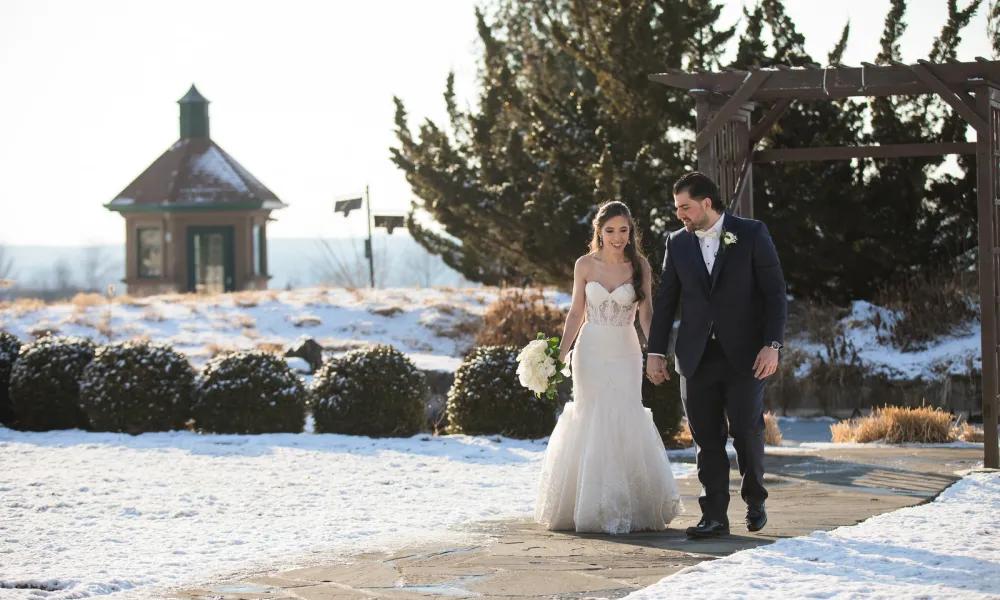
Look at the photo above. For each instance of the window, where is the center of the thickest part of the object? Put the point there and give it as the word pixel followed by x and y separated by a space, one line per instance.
pixel 150 252
pixel 258 250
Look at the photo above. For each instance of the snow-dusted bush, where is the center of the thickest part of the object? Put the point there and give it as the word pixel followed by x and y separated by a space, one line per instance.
pixel 487 398
pixel 45 383
pixel 249 391
pixel 375 391
pixel 9 347
pixel 133 387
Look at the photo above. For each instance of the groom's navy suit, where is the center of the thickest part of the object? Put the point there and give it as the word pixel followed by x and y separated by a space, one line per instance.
pixel 726 318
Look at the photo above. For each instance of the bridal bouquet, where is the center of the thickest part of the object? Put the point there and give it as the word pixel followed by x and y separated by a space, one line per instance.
pixel 539 368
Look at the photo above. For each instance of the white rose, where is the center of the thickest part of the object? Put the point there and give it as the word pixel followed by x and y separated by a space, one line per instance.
pixel 533 350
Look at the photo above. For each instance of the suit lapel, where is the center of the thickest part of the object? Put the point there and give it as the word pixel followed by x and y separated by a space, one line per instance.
pixel 720 258
pixel 697 260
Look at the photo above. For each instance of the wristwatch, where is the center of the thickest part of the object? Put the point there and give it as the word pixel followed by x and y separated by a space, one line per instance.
pixel 775 345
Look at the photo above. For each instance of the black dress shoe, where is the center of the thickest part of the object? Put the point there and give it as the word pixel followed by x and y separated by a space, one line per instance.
pixel 756 517
pixel 707 528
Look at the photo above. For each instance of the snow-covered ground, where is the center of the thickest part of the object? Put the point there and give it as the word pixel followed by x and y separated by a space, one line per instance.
pixel 431 325
pixel 951 354
pixel 949 548
pixel 85 514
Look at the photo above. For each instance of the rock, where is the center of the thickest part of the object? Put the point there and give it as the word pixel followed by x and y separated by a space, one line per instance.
pixel 307 349
pixel 439 383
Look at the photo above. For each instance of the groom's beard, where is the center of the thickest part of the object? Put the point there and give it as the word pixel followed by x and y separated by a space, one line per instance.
pixel 704 223
pixel 691 226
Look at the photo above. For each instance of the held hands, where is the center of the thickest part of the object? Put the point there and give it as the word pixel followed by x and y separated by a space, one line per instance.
pixel 656 369
pixel 766 363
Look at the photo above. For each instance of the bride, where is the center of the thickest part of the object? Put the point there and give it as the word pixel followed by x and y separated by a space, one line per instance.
pixel 605 468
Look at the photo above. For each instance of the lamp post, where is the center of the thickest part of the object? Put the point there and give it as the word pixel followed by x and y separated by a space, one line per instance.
pixel 389 222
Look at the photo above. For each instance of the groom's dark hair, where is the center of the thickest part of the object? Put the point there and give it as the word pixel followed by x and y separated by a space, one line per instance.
pixel 700 186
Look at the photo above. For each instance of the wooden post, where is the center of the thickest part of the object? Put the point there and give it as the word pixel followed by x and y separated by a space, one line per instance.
pixel 725 157
pixel 987 152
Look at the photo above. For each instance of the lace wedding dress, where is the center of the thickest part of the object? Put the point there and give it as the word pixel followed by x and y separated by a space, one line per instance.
pixel 605 468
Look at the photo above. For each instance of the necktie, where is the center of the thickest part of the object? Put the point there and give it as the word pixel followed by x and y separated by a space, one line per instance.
pixel 710 233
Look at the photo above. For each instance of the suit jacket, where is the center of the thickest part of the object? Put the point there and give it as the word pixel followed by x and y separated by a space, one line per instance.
pixel 743 300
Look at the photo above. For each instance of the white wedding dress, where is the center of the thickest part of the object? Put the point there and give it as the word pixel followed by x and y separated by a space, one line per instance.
pixel 605 468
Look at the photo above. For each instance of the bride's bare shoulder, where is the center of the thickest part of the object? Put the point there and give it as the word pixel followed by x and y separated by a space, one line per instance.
pixel 585 262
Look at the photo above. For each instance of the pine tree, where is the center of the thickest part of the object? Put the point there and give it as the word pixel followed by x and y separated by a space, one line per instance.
pixel 807 206
pixel 846 227
pixel 566 118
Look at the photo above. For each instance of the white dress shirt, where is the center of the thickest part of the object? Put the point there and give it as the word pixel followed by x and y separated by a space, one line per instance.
pixel 710 245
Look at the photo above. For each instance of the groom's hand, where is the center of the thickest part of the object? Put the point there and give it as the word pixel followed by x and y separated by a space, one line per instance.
pixel 656 369
pixel 766 363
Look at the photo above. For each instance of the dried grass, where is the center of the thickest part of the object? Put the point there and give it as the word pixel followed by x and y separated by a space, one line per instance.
pixel 243 322
pixel 970 433
pixel 517 317
pixel 305 320
pixel 772 433
pixel 133 301
pixel 386 311
pixel 271 348
pixel 898 425
pixel 213 350
pixel 23 306
pixel 152 315
pixel 930 305
pixel 248 299
pixel 43 330
pixel 683 438
pixel 83 300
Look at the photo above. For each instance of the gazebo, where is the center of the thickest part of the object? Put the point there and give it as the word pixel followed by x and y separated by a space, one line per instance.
pixel 728 136
pixel 195 220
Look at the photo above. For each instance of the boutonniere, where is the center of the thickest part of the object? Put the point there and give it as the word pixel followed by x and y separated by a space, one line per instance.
pixel 728 238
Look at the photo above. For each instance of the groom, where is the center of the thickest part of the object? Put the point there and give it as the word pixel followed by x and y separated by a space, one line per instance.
pixel 725 272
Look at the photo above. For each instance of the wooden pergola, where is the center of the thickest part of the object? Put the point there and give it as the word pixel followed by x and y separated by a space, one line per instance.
pixel 728 137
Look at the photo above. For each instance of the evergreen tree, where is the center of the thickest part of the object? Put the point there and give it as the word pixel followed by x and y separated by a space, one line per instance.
pixel 809 207
pixel 566 118
pixel 846 227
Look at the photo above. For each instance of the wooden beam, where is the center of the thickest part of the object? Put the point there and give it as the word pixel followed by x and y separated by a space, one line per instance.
pixel 839 82
pixel 753 81
pixel 851 152
pixel 923 71
pixel 769 120
pixel 742 187
pixel 986 192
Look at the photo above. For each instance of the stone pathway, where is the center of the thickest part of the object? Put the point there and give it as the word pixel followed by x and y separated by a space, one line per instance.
pixel 817 490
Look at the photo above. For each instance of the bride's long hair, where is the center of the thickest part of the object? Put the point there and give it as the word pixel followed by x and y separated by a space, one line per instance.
pixel 633 250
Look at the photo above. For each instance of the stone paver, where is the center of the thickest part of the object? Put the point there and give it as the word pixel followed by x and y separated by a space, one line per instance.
pixel 809 491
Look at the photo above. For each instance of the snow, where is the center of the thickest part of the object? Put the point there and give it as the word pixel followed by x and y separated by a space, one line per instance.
pixel 87 514
pixel 951 354
pixel 418 322
pixel 90 514
pixel 214 164
pixel 944 549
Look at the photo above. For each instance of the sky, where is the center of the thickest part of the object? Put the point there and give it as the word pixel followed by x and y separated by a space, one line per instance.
pixel 301 95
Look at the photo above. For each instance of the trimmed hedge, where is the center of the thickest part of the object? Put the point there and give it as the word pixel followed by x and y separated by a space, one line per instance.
pixel 249 391
pixel 375 391
pixel 9 348
pixel 487 398
pixel 133 387
pixel 44 384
